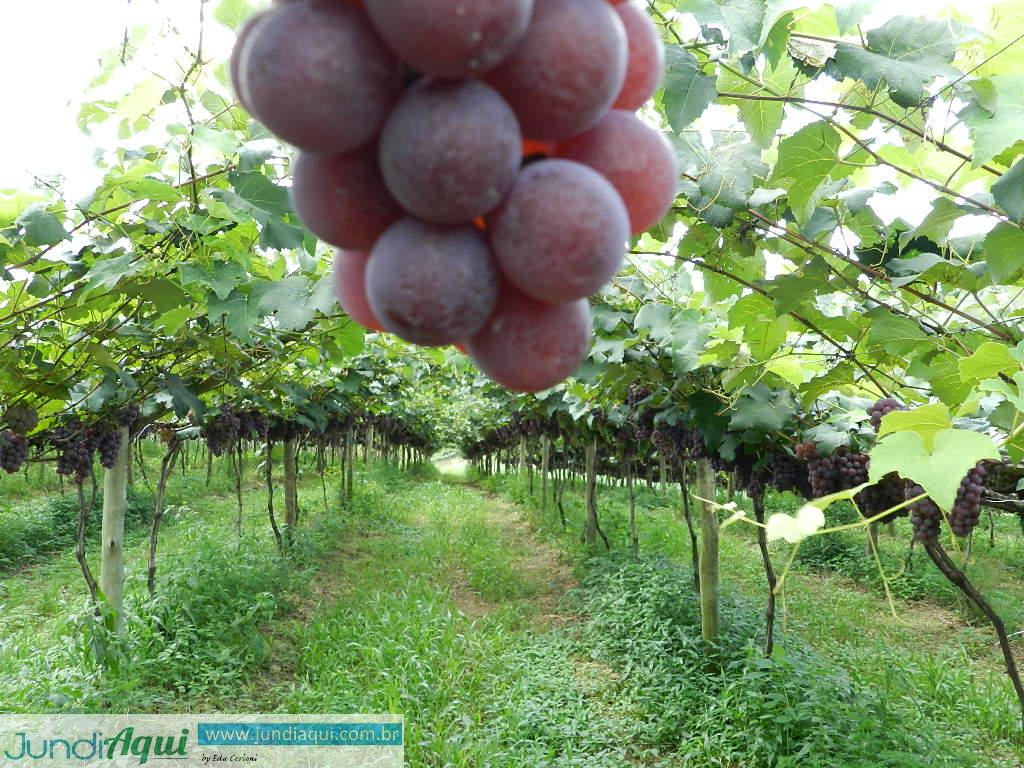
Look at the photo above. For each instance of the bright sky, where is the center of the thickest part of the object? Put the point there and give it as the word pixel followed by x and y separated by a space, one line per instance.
pixel 50 50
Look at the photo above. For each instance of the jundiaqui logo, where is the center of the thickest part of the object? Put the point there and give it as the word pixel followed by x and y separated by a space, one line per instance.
pixel 125 744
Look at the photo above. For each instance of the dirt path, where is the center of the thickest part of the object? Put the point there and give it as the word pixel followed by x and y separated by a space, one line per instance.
pixel 542 563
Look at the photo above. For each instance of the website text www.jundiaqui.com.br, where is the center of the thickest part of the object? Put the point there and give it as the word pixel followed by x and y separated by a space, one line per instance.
pixel 330 741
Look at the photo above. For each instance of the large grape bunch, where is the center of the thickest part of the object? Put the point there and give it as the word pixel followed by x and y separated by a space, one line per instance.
pixel 967 507
pixel 13 451
pixel 925 515
pixel 105 439
pixel 830 474
pixel 21 420
pixel 223 431
pixel 477 165
pixel 883 408
pixel 76 451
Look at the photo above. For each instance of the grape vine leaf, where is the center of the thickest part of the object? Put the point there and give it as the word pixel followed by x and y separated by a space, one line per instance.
pixel 1003 248
pixel 762 408
pixel 1008 192
pixel 926 421
pixel 42 227
pixel 806 159
pixel 903 56
pixel 762 117
pixel 988 361
pixel 938 469
pixel 688 91
pixel 742 19
pixel 999 123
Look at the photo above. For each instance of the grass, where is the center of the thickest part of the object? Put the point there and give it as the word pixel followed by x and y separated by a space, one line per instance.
pixel 938 671
pixel 499 638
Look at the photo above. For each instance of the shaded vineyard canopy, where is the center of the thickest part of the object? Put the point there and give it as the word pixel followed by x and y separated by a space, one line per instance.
pixel 795 272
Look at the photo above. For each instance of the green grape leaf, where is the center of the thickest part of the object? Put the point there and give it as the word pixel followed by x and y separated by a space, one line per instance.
pixel 903 56
pixel 806 160
pixel 1008 192
pixel 926 421
pixel 938 469
pixel 688 92
pixel 988 361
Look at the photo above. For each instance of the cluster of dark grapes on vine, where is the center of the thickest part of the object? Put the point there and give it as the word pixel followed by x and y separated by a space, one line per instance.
pixel 963 518
pixel 75 448
pixel 223 431
pixel 14 443
pixel 14 450
pixel 105 439
pixel 479 166
pixel 882 408
pixel 840 471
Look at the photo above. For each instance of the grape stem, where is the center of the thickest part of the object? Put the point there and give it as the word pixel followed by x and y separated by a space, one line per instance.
pixel 959 579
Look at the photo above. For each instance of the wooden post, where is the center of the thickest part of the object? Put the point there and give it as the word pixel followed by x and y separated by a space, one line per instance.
pixel 634 537
pixel 368 448
pixel 590 532
pixel 545 462
pixel 349 461
pixel 291 499
pixel 115 503
pixel 270 495
pixel 710 618
pixel 166 468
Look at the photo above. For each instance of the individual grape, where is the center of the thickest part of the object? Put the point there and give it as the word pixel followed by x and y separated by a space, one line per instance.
pixel 967 508
pixel 925 516
pixel 451 38
pixel 342 199
pixel 236 54
pixel 883 408
pixel 530 346
pixel 567 71
pixel 450 150
pixel 636 159
pixel 317 75
pixel 350 287
pixel 14 449
pixel 646 63
pixel 430 284
pixel 561 232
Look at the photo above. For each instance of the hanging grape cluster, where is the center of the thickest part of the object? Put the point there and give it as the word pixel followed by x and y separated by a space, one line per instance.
pixel 253 424
pixel 76 451
pixel 967 508
pixel 105 439
pixel 883 408
pixel 925 515
pixel 830 474
pixel 128 415
pixel 14 450
pixel 478 165
pixel 20 419
pixel 222 431
pixel 885 494
pixel 789 473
